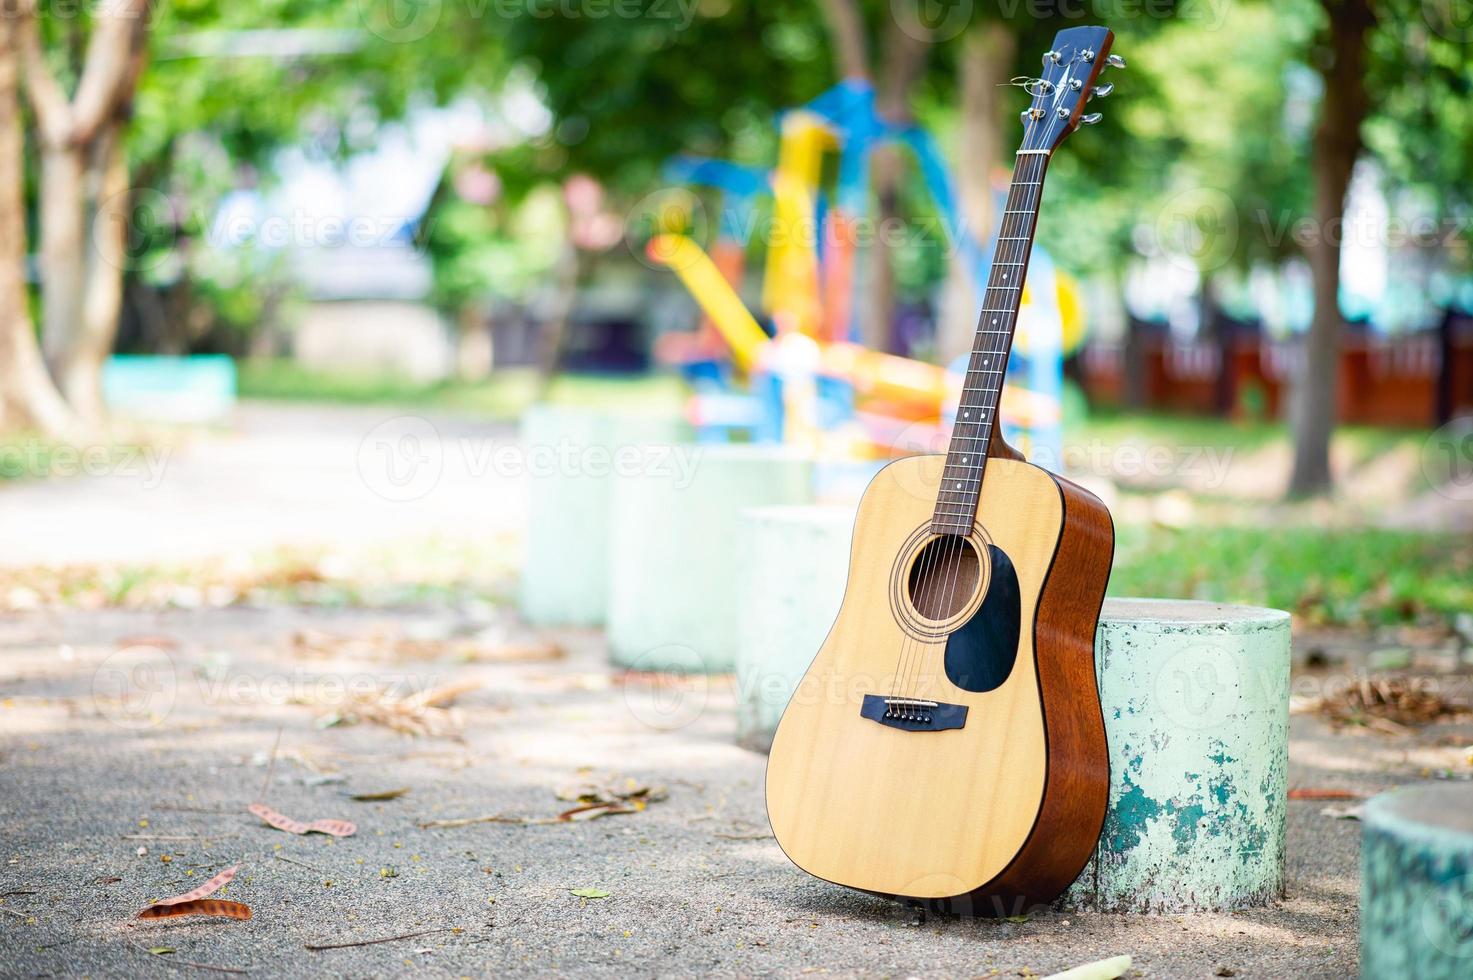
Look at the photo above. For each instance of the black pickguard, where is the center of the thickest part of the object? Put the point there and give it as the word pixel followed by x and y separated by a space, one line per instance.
pixel 980 654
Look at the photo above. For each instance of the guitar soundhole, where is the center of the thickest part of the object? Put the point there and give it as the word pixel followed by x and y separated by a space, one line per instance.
pixel 943 577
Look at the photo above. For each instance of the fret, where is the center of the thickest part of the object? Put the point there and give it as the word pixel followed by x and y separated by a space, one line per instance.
pixel 960 489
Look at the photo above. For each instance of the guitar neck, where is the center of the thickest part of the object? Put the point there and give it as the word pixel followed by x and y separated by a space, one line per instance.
pixel 976 414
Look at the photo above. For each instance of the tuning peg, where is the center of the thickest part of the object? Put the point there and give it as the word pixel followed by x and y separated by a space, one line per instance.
pixel 1051 57
pixel 1091 118
pixel 1100 91
pixel 1115 61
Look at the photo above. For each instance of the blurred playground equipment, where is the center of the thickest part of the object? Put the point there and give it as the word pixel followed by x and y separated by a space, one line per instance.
pixel 808 381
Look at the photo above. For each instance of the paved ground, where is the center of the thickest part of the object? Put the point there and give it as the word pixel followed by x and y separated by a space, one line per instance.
pixel 131 743
pixel 695 886
pixel 280 475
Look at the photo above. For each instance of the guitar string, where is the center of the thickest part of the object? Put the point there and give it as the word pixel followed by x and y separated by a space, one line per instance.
pixel 1014 257
pixel 1004 255
pixel 1007 256
pixel 1017 261
pixel 955 546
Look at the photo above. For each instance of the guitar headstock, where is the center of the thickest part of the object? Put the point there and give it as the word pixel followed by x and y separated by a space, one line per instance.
pixel 1071 69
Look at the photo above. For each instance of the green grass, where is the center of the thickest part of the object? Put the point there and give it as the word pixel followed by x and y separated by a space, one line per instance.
pixel 503 396
pixel 1114 428
pixel 1350 577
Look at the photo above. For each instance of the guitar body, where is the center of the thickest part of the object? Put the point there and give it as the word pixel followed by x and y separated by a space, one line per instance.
pixel 947 745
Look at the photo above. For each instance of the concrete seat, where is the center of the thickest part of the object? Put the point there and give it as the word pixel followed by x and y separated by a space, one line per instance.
pixel 1416 907
pixel 574 456
pixel 672 555
pixel 791 567
pixel 1196 704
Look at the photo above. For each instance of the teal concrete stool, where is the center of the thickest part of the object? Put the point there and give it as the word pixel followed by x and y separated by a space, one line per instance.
pixel 1416 907
pixel 672 554
pixel 791 568
pixel 574 456
pixel 1196 703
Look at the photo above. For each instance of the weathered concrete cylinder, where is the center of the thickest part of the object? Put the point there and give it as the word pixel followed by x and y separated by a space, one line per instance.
pixel 791 569
pixel 574 457
pixel 1196 703
pixel 672 554
pixel 1416 908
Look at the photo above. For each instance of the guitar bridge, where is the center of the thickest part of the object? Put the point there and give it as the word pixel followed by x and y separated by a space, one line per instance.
pixel 913 714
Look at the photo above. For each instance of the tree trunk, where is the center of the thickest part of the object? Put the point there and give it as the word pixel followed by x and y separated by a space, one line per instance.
pixel 846 34
pixel 904 60
pixel 62 221
pixel 986 63
pixel 83 158
pixel 28 400
pixel 474 347
pixel 102 300
pixel 1337 143
pixel 567 275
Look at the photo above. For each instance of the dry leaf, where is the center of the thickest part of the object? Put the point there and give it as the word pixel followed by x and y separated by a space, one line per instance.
pixel 1115 966
pixel 1389 704
pixel 337 828
pixel 613 791
pixel 204 906
pixel 425 713
pixel 194 902
pixel 1310 793
pixel 208 888
pixel 588 892
pixel 388 794
pixel 594 810
pixel 488 818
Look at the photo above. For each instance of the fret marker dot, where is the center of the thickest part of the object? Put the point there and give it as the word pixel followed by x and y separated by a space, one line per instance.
pixel 958 486
pixel 994 320
pixel 966 415
pixel 964 459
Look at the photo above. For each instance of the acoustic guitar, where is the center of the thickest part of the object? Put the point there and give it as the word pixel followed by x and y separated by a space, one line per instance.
pixel 947 745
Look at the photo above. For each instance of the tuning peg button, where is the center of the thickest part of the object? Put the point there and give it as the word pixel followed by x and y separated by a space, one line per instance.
pixel 1091 118
pixel 1115 61
pixel 1101 91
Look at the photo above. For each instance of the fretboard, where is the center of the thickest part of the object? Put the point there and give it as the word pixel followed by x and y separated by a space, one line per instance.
pixel 976 414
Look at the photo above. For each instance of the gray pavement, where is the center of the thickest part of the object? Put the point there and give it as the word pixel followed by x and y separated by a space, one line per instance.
pixel 695 886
